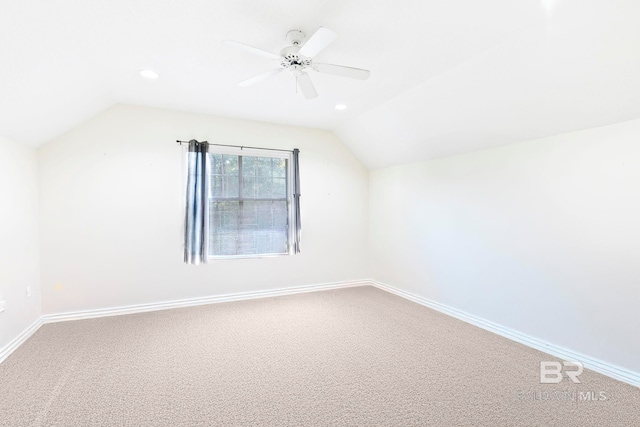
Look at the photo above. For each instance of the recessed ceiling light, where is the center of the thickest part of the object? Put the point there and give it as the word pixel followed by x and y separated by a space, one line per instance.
pixel 340 107
pixel 549 5
pixel 149 74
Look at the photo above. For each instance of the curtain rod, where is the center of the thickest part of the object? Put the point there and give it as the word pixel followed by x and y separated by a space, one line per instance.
pixel 236 146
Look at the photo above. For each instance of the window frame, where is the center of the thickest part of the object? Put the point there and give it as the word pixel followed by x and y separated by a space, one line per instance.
pixel 253 152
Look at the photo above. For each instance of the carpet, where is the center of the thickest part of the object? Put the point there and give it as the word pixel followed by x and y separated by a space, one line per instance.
pixel 347 357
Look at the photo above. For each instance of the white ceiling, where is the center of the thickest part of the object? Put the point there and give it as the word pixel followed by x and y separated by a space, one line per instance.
pixel 448 76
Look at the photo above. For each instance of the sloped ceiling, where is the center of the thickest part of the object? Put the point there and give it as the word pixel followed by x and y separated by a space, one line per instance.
pixel 447 76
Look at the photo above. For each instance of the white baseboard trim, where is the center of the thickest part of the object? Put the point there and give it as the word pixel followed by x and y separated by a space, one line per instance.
pixel 604 368
pixel 190 302
pixel 19 340
pixel 612 371
pixel 165 305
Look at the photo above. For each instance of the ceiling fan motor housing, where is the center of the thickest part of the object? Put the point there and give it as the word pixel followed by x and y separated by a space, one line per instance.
pixel 293 62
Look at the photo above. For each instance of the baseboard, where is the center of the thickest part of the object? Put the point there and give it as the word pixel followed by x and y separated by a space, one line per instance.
pixel 165 305
pixel 141 308
pixel 594 364
pixel 604 368
pixel 19 340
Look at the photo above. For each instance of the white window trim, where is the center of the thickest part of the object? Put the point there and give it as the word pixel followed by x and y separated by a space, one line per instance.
pixel 216 149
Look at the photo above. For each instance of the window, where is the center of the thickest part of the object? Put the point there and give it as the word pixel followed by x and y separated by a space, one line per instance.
pixel 250 203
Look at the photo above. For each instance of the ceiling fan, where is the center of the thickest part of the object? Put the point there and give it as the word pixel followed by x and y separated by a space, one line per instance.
pixel 298 58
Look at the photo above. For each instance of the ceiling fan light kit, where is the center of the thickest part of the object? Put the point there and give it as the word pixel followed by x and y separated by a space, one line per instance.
pixel 298 58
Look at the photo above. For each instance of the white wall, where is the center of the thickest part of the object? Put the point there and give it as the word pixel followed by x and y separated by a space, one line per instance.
pixel 112 212
pixel 19 249
pixel 541 236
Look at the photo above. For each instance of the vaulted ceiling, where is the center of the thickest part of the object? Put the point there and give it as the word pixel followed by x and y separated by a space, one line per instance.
pixel 446 76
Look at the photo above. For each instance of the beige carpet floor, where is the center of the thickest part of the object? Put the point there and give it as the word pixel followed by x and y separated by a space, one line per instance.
pixel 348 357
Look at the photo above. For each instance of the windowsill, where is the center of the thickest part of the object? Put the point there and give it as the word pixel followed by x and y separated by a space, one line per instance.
pixel 226 257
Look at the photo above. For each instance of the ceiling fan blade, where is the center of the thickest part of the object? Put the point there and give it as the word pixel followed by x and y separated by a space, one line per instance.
pixel 341 70
pixel 260 77
pixel 252 49
pixel 318 41
pixel 306 86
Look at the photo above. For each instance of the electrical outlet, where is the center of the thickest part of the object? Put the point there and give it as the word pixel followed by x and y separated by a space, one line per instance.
pixel 28 291
pixel 3 304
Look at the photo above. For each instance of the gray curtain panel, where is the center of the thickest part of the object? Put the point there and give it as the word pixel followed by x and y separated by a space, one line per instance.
pixel 197 204
pixel 296 202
